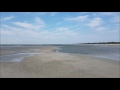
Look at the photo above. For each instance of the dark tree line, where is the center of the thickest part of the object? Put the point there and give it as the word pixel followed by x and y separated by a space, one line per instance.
pixel 103 43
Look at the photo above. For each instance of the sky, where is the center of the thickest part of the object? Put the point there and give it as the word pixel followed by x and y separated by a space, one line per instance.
pixel 59 27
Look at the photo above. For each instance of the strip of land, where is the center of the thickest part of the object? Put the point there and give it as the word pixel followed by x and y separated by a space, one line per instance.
pixel 52 64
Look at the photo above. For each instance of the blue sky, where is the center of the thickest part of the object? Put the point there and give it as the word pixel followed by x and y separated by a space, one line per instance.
pixel 59 27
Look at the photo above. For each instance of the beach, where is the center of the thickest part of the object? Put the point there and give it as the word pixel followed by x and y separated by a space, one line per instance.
pixel 51 64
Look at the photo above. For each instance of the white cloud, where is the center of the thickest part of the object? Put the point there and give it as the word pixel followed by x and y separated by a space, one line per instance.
pixel 78 18
pixel 12 28
pixel 26 25
pixel 7 18
pixel 115 19
pixel 53 13
pixel 74 26
pixel 41 13
pixel 94 14
pixel 101 28
pixel 58 35
pixel 35 13
pixel 61 35
pixel 39 21
pixel 6 32
pixel 37 25
pixel 59 23
pixel 97 21
pixel 6 26
pixel 62 29
pixel 108 13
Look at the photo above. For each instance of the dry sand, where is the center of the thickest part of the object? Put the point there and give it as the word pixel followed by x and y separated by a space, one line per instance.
pixel 60 65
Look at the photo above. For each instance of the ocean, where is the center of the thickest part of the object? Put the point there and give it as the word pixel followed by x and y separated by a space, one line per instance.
pixel 103 51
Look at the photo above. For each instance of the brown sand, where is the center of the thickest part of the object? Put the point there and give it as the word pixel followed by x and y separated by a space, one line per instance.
pixel 60 65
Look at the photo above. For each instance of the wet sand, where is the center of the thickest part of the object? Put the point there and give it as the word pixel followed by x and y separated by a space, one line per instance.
pixel 59 65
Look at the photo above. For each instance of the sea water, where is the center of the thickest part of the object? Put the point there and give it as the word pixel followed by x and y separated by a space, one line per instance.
pixel 103 51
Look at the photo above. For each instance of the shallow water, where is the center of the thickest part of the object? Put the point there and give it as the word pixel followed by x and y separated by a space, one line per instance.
pixel 15 57
pixel 20 53
pixel 103 51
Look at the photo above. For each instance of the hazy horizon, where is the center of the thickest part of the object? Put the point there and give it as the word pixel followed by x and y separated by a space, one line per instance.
pixel 59 27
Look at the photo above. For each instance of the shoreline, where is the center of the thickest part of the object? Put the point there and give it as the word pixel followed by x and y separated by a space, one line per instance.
pixel 60 65
pixel 96 44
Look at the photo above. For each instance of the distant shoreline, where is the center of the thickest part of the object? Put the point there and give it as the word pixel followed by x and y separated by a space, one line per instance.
pixel 102 43
pixel 53 44
pixel 98 44
pixel 58 44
